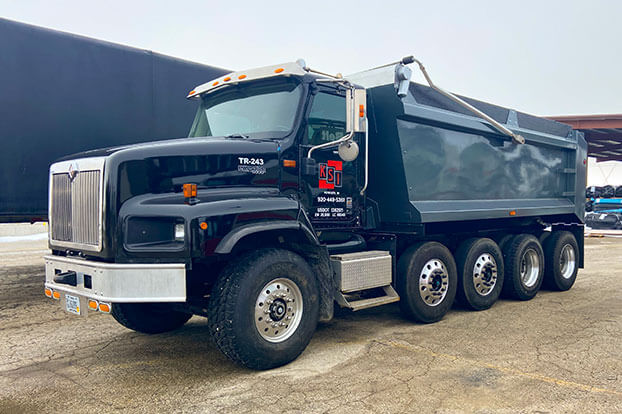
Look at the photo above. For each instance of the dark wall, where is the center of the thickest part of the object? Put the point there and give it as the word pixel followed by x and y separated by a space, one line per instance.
pixel 62 93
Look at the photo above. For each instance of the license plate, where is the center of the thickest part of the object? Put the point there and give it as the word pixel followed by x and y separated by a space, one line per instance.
pixel 72 304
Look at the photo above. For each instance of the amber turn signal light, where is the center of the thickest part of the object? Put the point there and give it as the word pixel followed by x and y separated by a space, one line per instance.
pixel 361 111
pixel 104 307
pixel 513 213
pixel 190 190
pixel 289 163
pixel 48 292
pixel 203 225
pixel 56 295
pixel 93 305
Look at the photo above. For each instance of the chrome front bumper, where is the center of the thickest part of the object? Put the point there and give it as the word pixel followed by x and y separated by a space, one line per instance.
pixel 119 283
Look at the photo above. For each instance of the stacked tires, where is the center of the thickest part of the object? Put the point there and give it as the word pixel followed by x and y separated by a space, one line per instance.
pixel 429 277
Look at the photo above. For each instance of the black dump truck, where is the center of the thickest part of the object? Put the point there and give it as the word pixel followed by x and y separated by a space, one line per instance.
pixel 297 191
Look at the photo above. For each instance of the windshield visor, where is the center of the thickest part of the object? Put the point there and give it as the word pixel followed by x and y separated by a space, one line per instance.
pixel 261 110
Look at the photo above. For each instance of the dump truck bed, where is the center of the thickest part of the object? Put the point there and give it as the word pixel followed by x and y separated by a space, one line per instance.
pixel 431 160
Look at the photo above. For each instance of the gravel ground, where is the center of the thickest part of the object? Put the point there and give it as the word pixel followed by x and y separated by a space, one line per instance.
pixel 560 352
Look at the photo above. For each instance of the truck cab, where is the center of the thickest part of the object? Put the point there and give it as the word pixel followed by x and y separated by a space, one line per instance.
pixel 262 220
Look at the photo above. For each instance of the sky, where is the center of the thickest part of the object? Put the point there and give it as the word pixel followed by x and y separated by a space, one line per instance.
pixel 542 57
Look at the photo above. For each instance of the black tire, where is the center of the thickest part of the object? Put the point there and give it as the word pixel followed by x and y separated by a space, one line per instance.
pixel 410 269
pixel 542 238
pixel 480 273
pixel 149 318
pixel 556 275
pixel 503 240
pixel 523 253
pixel 235 299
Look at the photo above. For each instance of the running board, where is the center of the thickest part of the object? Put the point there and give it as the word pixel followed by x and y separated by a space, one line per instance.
pixel 390 296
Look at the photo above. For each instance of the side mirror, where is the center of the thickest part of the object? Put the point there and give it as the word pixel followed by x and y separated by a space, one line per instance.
pixel 309 166
pixel 348 150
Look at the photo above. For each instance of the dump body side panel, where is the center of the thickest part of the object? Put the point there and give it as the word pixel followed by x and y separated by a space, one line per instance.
pixel 434 163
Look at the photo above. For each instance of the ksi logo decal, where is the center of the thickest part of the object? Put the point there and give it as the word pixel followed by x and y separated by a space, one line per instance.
pixel 330 174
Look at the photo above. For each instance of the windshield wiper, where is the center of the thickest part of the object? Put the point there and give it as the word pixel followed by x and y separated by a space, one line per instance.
pixel 236 136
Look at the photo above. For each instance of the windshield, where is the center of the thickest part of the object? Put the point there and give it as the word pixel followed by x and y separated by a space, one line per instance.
pixel 265 108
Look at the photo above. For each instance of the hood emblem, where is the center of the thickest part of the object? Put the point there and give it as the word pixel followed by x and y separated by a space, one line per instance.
pixel 73 171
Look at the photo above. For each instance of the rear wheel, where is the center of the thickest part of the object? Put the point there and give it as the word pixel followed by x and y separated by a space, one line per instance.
pixel 150 318
pixel 480 273
pixel 426 281
pixel 264 308
pixel 524 267
pixel 561 253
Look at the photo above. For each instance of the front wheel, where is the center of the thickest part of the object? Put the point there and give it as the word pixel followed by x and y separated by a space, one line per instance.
pixel 264 309
pixel 150 318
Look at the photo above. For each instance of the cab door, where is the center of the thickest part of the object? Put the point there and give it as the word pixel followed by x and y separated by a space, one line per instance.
pixel 331 196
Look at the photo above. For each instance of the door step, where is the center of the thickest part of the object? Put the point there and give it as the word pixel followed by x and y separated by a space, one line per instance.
pixel 390 296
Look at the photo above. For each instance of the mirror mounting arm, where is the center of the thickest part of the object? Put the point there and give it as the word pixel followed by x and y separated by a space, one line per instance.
pixel 344 138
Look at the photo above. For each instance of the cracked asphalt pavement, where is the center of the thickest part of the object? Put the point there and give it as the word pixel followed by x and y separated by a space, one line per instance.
pixel 560 352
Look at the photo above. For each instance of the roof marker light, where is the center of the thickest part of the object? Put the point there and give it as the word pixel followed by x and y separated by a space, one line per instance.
pixel 241 76
pixel 227 79
pixel 215 83
pixel 279 70
pixel 190 190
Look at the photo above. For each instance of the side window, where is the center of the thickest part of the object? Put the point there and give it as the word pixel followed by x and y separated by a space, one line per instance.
pixel 327 119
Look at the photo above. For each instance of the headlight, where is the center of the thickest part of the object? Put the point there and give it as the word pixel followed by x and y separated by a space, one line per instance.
pixel 154 233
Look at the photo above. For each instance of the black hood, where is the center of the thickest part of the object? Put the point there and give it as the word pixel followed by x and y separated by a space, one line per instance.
pixel 181 146
pixel 164 166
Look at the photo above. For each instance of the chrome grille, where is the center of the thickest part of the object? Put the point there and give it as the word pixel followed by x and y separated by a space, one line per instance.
pixel 61 208
pixel 75 208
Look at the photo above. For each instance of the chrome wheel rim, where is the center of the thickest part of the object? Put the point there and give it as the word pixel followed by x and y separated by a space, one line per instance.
pixel 567 261
pixel 278 310
pixel 529 268
pixel 484 274
pixel 433 281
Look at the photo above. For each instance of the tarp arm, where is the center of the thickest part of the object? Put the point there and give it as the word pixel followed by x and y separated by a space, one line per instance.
pixel 518 139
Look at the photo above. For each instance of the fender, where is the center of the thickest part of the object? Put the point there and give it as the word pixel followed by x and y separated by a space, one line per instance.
pixel 227 244
pixel 314 252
